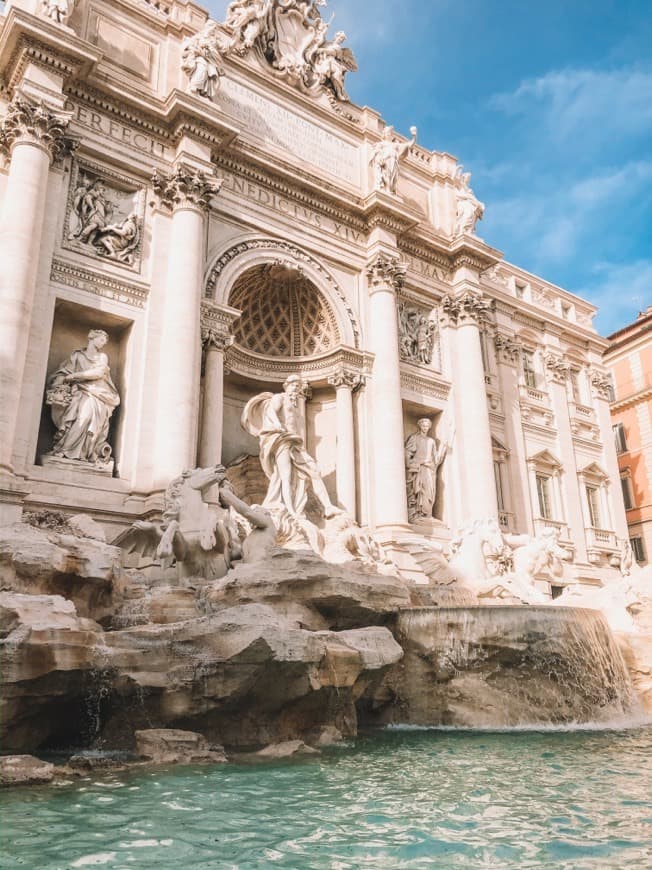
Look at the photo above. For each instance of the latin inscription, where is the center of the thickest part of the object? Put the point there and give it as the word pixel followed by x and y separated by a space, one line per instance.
pixel 290 131
pixel 421 267
pixel 242 187
pixel 119 132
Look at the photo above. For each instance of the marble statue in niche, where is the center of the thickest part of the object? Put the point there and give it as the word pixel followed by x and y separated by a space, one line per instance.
pixel 82 398
pixel 58 11
pixel 291 36
pixel 386 159
pixel 417 334
pixel 91 223
pixel 202 61
pixel 423 457
pixel 469 209
pixel 275 420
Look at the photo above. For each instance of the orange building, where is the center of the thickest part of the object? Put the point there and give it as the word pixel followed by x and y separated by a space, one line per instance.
pixel 629 359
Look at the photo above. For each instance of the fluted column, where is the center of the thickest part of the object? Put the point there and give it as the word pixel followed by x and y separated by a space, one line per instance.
pixel 216 336
pixel 187 193
pixel 385 276
pixel 345 382
pixel 464 312
pixel 33 135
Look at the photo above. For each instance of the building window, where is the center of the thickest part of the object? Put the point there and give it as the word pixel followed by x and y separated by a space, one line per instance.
pixel 638 550
pixel 626 484
pixel 529 373
pixel 543 494
pixel 500 485
pixel 593 500
pixel 619 437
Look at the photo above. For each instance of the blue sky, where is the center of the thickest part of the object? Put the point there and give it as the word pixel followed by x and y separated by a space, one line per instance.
pixel 549 104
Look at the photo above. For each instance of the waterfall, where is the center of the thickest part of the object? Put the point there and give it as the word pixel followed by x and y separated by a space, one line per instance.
pixel 509 666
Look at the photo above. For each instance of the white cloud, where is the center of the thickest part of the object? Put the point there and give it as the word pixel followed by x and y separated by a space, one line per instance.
pixel 590 104
pixel 620 290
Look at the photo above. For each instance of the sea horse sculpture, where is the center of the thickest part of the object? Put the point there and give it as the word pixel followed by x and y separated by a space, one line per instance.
pixel 199 535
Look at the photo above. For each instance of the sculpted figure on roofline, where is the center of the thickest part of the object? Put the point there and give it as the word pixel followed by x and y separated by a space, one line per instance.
pixel 386 159
pixel 58 11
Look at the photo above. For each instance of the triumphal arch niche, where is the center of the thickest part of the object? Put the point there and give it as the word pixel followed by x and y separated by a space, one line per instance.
pixel 215 218
pixel 293 320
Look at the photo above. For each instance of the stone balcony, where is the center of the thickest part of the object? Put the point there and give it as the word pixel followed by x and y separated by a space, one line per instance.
pixel 563 532
pixel 602 540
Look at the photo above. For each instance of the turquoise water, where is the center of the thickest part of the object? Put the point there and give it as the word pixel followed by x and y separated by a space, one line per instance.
pixel 392 800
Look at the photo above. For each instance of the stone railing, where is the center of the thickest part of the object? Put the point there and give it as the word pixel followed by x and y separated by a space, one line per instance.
pixel 540 524
pixel 601 539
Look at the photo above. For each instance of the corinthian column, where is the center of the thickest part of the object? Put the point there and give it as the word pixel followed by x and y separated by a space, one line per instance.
pixel 33 136
pixel 216 325
pixel 345 382
pixel 187 193
pixel 464 312
pixel 385 276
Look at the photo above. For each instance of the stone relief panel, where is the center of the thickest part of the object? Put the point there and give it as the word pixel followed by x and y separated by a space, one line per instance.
pixel 104 216
pixel 418 335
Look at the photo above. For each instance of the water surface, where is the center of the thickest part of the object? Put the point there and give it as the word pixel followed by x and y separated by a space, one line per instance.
pixel 399 799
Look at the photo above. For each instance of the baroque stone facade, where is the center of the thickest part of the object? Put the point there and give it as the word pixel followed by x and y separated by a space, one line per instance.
pixel 206 195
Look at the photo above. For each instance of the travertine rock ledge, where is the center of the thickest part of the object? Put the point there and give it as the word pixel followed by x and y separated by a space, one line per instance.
pixel 245 662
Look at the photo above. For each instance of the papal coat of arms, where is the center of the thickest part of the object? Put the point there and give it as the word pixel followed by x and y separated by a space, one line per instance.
pixel 291 36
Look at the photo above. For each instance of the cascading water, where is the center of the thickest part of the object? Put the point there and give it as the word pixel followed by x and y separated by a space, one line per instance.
pixel 507 666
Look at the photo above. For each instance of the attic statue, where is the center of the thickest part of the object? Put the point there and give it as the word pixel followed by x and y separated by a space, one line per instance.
pixel 58 11
pixel 199 532
pixel 386 159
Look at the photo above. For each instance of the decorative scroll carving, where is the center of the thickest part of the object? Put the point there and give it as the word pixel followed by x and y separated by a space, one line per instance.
pixel 202 61
pixel 58 11
pixel 386 271
pixel 217 327
pixel 557 367
pixel 104 220
pixel 508 349
pixel 417 334
pixel 186 187
pixel 466 308
pixel 346 378
pixel 37 123
pixel 386 159
pixel 290 37
pixel 82 397
pixel 469 209
pixel 602 385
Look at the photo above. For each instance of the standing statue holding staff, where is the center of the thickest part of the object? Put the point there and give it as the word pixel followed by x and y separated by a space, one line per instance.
pixel 386 158
pixel 422 460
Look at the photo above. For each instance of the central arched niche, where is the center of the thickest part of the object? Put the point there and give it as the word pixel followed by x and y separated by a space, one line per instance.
pixel 284 316
pixel 283 313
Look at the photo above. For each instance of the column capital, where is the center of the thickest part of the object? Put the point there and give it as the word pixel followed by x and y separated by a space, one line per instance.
pixel 464 308
pixel 35 123
pixel 346 378
pixel 557 367
pixel 186 188
pixel 508 349
pixel 386 271
pixel 217 326
pixel 601 384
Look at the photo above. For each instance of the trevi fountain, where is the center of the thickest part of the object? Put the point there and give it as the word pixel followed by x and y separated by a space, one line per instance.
pixel 309 551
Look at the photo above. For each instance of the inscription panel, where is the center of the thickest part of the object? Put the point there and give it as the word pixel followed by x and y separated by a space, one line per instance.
pixel 279 126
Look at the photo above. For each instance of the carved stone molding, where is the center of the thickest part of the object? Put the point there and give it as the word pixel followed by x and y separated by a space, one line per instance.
pixel 422 385
pixel 386 271
pixel 185 188
pixel 508 349
pixel 312 370
pixel 557 368
pixel 98 283
pixel 35 123
pixel 466 308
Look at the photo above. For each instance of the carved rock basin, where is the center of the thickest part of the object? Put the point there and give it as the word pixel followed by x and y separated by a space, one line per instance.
pixel 505 666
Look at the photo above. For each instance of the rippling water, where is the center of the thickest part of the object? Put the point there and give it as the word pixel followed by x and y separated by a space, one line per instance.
pixel 392 800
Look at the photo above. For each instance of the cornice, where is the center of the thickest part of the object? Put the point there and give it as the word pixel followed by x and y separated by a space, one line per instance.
pixel 422 384
pixel 422 250
pixel 312 369
pixel 98 283
pixel 27 38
